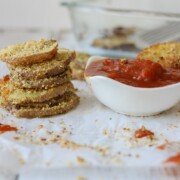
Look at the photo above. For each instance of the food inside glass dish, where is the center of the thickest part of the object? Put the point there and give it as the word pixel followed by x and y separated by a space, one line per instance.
pixel 117 38
pixel 122 28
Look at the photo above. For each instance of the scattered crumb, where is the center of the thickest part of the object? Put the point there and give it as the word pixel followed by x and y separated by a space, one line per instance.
pixel 81 178
pixel 173 126
pixel 1 116
pixel 40 126
pixel 116 160
pixel 16 137
pixel 135 142
pixel 22 161
pixel 104 132
pixel 43 139
pixel 81 160
pixel 18 155
pixel 64 130
pixel 69 164
pixel 54 137
pixel 102 149
pixel 50 121
pixel 61 122
pixel 126 129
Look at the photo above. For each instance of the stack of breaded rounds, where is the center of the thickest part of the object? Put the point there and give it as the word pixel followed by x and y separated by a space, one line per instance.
pixel 39 82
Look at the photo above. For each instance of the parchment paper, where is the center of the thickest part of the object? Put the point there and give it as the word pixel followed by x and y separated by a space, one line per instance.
pixel 91 135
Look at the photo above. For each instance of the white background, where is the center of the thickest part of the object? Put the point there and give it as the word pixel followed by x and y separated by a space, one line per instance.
pixel 48 14
pixel 45 14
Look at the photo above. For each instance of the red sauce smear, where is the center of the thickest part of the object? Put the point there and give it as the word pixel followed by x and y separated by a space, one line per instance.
pixel 164 146
pixel 143 132
pixel 161 147
pixel 5 79
pixel 4 128
pixel 174 159
pixel 138 73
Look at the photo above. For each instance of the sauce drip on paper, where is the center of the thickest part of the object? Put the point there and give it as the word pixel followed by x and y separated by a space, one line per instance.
pixel 143 132
pixel 174 159
pixel 5 128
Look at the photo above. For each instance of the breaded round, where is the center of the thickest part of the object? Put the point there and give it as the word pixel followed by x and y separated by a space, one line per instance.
pixel 15 95
pixel 44 83
pixel 52 107
pixel 166 54
pixel 29 52
pixel 78 65
pixel 3 84
pixel 45 69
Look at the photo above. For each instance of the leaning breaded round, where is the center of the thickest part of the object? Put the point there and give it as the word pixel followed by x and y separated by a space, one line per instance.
pixel 45 69
pixel 44 83
pixel 58 106
pixel 29 52
pixel 15 95
pixel 166 54
pixel 78 65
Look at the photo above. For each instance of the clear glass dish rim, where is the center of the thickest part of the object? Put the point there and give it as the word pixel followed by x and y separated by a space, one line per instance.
pixel 84 6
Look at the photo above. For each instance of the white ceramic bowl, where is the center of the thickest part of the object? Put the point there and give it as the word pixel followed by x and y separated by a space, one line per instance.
pixel 131 100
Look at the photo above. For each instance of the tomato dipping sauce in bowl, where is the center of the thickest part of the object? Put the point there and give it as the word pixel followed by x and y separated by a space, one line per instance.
pixel 138 73
pixel 133 87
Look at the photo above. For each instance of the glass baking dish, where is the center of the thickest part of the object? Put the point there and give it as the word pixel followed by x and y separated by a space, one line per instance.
pixel 112 30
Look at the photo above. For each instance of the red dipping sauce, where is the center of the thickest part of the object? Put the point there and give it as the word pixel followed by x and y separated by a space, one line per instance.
pixel 4 128
pixel 138 73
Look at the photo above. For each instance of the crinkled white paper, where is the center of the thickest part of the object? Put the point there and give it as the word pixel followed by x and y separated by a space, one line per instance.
pixel 102 137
